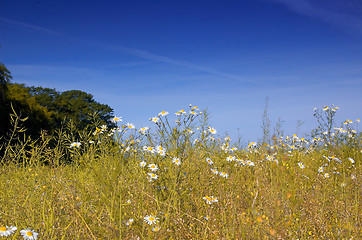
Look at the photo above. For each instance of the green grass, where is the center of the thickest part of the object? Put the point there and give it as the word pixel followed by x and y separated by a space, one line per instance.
pixel 103 186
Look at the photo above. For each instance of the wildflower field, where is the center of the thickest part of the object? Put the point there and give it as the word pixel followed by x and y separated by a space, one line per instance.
pixel 181 179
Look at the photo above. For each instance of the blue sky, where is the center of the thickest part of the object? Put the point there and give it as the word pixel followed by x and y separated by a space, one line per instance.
pixel 141 57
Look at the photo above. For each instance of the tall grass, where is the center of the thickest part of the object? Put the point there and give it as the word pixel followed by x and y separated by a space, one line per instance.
pixel 103 187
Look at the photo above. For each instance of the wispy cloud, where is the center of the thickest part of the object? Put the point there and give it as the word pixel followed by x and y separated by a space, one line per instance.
pixel 132 51
pixel 338 19
pixel 31 27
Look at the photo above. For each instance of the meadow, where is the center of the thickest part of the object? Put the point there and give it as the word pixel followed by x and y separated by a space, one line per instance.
pixel 180 179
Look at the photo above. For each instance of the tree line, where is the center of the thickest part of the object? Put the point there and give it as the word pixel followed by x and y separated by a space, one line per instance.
pixel 46 109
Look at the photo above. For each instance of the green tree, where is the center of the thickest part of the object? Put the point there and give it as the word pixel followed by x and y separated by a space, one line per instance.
pixel 79 106
pixel 74 105
pixel 39 118
pixel 5 79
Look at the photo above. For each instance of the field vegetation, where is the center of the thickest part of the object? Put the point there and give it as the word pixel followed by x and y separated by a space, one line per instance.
pixel 180 179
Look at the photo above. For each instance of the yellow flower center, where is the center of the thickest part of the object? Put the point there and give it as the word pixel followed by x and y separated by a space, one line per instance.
pixel 152 219
pixel 3 229
pixel 29 233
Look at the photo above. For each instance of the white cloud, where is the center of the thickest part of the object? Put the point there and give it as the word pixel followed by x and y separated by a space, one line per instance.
pixel 308 8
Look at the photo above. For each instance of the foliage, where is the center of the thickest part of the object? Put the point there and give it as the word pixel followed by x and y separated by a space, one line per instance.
pixel 47 109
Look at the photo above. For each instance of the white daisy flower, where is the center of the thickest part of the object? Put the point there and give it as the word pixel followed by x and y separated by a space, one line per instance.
pixel 250 163
pixel 103 127
pixel 224 174
pixel 7 231
pixel 152 176
pixel 252 144
pixel 212 130
pixel 230 158
pixel 116 119
pixel 162 153
pixel 148 149
pixel 176 161
pixel 155 119
pixel 351 160
pixel 129 222
pixel 214 199
pixel 214 170
pixel 75 144
pixel 163 113
pixel 130 125
pixel 151 219
pixel 207 199
pixel 301 165
pixel 153 167
pixel 159 148
pixel 29 234
pixel 193 113
pixel 209 161
pixel 156 229
pixel 143 164
pixel 326 175
pixel 143 130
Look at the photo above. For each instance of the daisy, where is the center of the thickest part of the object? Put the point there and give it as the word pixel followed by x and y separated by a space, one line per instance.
pixel 75 144
pixel 301 165
pixel 143 164
pixel 351 160
pixel 144 130
pixel 103 128
pixel 209 161
pixel 320 170
pixel 156 229
pixel 230 158
pixel 29 234
pixel 193 113
pixel 224 174
pixel 212 130
pixel 176 161
pixel 153 167
pixel 152 176
pixel 149 149
pixel 130 125
pixel 250 163
pixel 7 231
pixel 214 199
pixel 208 199
pixel 129 222
pixel 162 153
pixel 151 219
pixel 214 171
pixel 326 175
pixel 116 119
pixel 252 144
pixel 163 113
pixel 159 148
pixel 154 119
